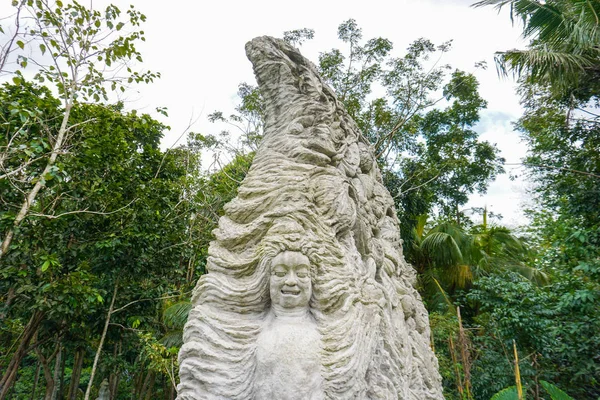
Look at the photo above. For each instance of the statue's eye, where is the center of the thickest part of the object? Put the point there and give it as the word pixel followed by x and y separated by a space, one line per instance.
pixel 280 274
pixel 302 274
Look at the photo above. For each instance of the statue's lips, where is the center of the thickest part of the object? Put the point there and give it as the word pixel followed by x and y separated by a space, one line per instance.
pixel 290 292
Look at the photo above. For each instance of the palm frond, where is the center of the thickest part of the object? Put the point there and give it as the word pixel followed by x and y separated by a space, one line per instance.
pixel 545 22
pixel 462 239
pixel 518 8
pixel 543 64
pixel 175 316
pixel 565 41
pixel 585 27
pixel 172 339
pixel 460 276
pixel 535 275
pixel 420 227
pixel 442 249
pixel 435 295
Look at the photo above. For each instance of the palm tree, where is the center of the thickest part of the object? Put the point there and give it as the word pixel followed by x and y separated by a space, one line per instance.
pixel 565 42
pixel 497 249
pixel 448 258
pixel 174 318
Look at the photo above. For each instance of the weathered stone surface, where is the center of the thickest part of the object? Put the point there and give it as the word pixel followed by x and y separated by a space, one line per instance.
pixel 308 295
pixel 104 391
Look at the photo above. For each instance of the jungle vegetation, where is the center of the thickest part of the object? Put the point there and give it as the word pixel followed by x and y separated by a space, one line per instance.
pixel 104 234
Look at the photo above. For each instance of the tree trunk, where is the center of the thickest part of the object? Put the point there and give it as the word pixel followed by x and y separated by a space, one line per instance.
pixel 95 365
pixel 56 149
pixel 56 377
pixel 76 375
pixel 51 379
pixel 464 354
pixel 138 381
pixel 61 378
pixel 146 385
pixel 47 374
pixel 36 380
pixel 114 378
pixel 11 371
pixel 9 299
pixel 150 389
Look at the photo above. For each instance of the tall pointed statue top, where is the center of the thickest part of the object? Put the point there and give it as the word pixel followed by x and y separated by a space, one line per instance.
pixel 308 295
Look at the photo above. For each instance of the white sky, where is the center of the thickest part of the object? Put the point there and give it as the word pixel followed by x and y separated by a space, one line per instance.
pixel 198 46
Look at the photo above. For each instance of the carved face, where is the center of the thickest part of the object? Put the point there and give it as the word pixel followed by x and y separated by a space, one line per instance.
pixel 290 285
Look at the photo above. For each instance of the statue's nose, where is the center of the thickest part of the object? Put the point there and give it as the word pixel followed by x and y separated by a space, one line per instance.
pixel 290 279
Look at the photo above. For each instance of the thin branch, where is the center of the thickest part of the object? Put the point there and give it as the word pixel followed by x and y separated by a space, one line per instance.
pixel 191 122
pixel 173 245
pixel 140 300
pixel 124 327
pixel 227 175
pixel 70 127
pixel 558 168
pixel 588 112
pixel 417 187
pixel 15 171
pixel 7 48
pixel 173 209
pixel 84 212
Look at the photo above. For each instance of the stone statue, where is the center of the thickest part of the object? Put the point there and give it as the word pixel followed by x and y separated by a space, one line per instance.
pixel 104 391
pixel 308 295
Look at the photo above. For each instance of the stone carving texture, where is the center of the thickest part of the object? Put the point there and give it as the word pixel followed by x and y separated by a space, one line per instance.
pixel 314 196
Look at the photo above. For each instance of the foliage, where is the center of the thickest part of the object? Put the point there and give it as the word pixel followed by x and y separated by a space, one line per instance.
pixel 298 36
pixel 510 393
pixel 432 158
pixel 556 326
pixel 555 392
pixel 118 210
pixel 444 327
pixel 83 44
pixel 160 358
pixel 563 52
pixel 449 258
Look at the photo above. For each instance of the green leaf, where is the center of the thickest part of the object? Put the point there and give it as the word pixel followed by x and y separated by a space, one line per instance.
pixel 42 48
pixel 510 393
pixel 20 44
pixel 16 80
pixel 45 265
pixel 555 392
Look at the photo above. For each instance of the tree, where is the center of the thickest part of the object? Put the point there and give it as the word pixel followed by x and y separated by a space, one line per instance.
pixel 80 242
pixel 450 259
pixel 554 324
pixel 75 38
pixel 555 327
pixel 564 50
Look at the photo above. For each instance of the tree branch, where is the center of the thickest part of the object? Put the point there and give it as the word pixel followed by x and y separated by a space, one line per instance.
pixel 558 168
pixel 140 300
pixel 83 212
pixel 7 48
